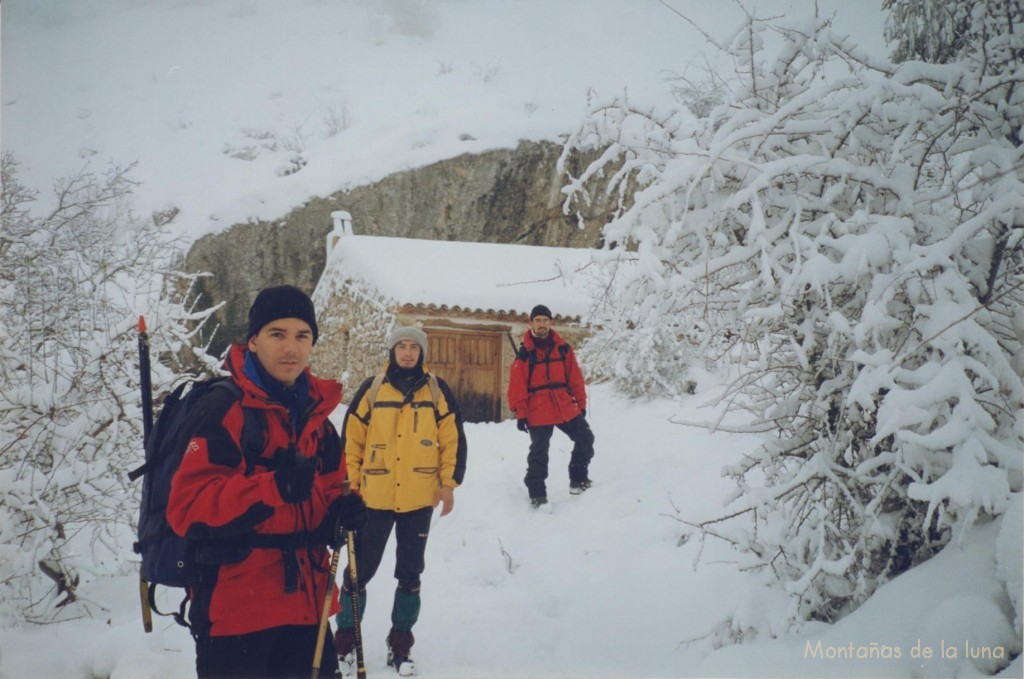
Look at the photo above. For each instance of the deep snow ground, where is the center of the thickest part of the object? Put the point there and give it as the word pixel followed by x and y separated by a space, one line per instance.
pixel 597 587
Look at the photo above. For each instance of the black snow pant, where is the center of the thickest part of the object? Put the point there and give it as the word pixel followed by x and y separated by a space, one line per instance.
pixel 285 652
pixel 411 532
pixel 582 437
pixel 411 529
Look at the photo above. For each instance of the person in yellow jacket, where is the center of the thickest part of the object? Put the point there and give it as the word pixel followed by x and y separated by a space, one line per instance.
pixel 405 451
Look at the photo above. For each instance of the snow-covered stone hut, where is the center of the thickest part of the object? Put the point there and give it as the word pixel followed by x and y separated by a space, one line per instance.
pixel 472 300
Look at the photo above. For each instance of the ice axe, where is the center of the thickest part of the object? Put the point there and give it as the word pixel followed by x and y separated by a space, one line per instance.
pixel 145 383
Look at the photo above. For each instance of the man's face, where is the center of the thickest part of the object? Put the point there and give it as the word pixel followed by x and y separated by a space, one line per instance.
pixel 407 354
pixel 283 348
pixel 540 326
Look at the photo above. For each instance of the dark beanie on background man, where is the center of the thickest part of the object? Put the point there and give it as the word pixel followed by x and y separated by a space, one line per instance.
pixel 540 310
pixel 283 301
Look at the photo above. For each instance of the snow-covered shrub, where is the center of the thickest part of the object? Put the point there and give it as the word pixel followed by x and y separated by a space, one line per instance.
pixel 73 282
pixel 1009 564
pixel 643 357
pixel 849 232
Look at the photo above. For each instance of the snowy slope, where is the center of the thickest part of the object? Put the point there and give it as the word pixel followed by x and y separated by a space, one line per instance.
pixel 219 102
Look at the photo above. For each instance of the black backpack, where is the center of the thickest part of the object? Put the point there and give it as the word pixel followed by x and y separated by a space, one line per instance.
pixel 167 558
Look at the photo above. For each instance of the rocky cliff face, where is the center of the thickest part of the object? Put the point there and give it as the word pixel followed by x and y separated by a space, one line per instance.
pixel 501 196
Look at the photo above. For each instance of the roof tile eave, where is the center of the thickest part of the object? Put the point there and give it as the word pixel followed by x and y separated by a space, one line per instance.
pixel 479 312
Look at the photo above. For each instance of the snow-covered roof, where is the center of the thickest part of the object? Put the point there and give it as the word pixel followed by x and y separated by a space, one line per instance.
pixel 488 277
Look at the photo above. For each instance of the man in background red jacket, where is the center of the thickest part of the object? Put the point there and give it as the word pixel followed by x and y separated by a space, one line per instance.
pixel 546 390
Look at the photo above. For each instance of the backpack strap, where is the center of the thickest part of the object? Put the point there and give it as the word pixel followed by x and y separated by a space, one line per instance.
pixel 524 354
pixel 435 395
pixel 253 439
pixel 254 433
pixel 142 469
pixel 531 355
pixel 371 393
pixel 435 391
pixel 378 380
pixel 179 615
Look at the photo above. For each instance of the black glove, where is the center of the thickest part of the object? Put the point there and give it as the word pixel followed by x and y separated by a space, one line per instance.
pixel 350 511
pixel 522 425
pixel 294 477
pixel 329 532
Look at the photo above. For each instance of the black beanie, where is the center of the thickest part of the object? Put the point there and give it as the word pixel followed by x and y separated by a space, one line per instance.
pixel 540 310
pixel 283 301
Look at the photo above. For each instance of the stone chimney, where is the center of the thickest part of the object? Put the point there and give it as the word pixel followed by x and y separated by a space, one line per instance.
pixel 342 227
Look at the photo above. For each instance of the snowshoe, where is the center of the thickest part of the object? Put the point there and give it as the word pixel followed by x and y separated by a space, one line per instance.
pixel 347 664
pixel 404 665
pixel 577 487
pixel 345 645
pixel 538 501
pixel 399 644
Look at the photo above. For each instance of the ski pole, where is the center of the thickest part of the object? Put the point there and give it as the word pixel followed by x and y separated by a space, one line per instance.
pixel 146 385
pixel 354 584
pixel 326 612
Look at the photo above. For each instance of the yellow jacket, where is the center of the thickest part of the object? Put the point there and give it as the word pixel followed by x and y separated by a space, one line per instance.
pixel 403 450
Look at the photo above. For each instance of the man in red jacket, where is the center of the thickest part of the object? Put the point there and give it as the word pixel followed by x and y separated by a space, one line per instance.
pixel 261 519
pixel 546 390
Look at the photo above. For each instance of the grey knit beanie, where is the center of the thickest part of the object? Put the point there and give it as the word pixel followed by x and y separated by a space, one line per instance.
pixel 407 332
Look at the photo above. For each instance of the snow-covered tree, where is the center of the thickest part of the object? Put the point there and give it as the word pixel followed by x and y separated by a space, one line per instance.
pixel 944 31
pixel 849 234
pixel 73 282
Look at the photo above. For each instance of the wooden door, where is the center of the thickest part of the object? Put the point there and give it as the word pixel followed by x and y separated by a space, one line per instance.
pixel 470 362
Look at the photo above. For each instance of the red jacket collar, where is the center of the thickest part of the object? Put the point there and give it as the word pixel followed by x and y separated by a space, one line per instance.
pixel 327 391
pixel 556 340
